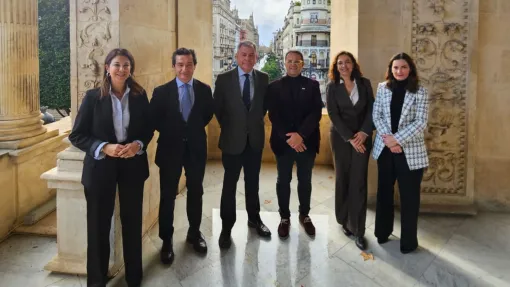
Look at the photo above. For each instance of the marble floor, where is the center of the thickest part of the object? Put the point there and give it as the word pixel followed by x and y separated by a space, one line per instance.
pixel 454 250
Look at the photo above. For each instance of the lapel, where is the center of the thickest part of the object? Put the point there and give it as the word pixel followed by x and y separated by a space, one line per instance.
pixel 343 95
pixel 361 94
pixel 132 114
pixel 195 98
pixel 387 104
pixel 174 102
pixel 255 89
pixel 106 107
pixel 408 101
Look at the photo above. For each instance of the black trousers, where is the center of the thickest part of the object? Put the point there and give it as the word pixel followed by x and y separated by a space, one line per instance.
pixel 284 164
pixel 110 173
pixel 250 161
pixel 351 170
pixel 394 167
pixel 169 175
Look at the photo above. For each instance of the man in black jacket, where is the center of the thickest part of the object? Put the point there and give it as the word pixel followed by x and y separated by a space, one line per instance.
pixel 180 111
pixel 295 110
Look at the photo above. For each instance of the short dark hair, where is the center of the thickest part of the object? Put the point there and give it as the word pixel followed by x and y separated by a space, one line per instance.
pixel 295 52
pixel 334 74
pixel 184 52
pixel 413 82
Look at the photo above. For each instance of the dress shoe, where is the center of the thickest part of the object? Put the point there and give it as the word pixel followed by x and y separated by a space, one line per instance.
pixel 382 240
pixel 346 231
pixel 406 250
pixel 167 252
pixel 307 224
pixel 283 228
pixel 262 230
pixel 198 242
pixel 225 240
pixel 361 243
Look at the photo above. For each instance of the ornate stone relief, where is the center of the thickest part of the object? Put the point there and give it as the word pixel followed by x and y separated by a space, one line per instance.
pixel 439 45
pixel 94 35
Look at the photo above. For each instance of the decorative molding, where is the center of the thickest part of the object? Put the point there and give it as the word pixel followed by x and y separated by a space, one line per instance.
pixel 440 47
pixel 93 38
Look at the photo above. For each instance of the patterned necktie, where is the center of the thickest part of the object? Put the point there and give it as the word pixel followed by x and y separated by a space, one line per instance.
pixel 185 102
pixel 246 92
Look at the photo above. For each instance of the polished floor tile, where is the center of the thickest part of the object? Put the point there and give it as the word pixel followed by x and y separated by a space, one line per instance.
pixel 454 250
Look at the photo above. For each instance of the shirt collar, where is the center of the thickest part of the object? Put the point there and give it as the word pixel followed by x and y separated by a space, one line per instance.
pixel 241 72
pixel 180 83
pixel 125 93
pixel 342 81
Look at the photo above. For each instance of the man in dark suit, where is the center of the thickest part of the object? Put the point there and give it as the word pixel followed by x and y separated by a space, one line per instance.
pixel 239 104
pixel 180 110
pixel 295 110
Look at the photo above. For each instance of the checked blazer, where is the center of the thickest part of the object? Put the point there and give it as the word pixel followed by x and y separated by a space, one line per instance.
pixel 412 124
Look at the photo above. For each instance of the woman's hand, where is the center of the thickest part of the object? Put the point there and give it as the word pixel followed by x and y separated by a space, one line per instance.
pixel 112 150
pixel 129 150
pixel 389 140
pixel 396 149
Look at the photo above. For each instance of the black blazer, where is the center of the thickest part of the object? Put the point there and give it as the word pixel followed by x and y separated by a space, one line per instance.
pixel 346 118
pixel 174 132
pixel 301 115
pixel 94 125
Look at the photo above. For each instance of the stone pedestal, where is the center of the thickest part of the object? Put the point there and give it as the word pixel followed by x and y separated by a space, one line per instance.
pixel 72 217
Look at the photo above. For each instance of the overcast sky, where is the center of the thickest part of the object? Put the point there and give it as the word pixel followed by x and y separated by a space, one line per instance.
pixel 267 14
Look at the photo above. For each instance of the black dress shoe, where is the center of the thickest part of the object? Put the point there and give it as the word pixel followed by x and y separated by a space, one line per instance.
pixel 382 240
pixel 167 253
pixel 262 230
pixel 198 242
pixel 346 231
pixel 225 240
pixel 406 250
pixel 361 242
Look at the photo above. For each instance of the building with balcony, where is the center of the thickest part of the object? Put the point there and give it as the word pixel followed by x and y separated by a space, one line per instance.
pixel 307 28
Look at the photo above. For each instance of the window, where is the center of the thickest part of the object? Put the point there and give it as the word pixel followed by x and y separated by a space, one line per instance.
pixel 313 2
pixel 297 37
pixel 314 40
pixel 314 17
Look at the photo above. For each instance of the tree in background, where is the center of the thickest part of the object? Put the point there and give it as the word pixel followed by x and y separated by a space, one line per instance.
pixel 272 67
pixel 54 55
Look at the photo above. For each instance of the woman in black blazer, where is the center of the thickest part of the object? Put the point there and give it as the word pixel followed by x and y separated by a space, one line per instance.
pixel 350 99
pixel 112 128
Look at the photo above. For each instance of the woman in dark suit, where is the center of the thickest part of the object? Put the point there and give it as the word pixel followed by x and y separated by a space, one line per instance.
pixel 401 111
pixel 112 128
pixel 350 99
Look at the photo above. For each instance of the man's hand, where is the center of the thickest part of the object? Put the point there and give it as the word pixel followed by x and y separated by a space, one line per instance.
pixel 112 150
pixel 396 149
pixel 389 140
pixel 129 150
pixel 300 148
pixel 295 140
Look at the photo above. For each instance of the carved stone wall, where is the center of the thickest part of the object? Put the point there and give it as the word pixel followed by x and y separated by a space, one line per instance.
pixel 440 32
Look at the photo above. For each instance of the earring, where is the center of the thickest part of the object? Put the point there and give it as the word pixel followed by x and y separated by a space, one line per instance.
pixel 107 74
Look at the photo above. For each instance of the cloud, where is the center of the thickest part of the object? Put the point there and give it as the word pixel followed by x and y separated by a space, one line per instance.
pixel 268 15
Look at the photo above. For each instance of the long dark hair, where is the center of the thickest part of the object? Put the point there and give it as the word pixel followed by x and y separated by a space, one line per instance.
pixel 135 88
pixel 412 80
pixel 334 74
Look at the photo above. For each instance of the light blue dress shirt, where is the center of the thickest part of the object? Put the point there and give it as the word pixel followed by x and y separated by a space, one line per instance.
pixel 181 92
pixel 242 78
pixel 121 118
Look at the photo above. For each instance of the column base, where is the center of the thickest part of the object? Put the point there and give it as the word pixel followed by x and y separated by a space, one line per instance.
pixel 23 143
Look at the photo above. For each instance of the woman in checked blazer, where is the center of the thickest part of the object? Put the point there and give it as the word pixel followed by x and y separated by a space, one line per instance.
pixel 400 116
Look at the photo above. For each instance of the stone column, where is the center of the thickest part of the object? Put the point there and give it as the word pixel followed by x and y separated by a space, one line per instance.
pixel 442 39
pixel 20 117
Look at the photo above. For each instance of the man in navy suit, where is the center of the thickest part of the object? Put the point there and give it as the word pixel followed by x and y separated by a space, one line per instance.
pixel 180 111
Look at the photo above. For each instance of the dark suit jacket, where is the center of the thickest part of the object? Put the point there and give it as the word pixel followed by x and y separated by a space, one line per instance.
pixel 94 125
pixel 301 115
pixel 174 132
pixel 238 125
pixel 348 119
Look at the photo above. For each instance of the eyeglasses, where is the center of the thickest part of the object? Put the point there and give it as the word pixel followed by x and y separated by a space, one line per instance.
pixel 290 62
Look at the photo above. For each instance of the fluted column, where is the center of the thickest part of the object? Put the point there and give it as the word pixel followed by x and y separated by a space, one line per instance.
pixel 20 116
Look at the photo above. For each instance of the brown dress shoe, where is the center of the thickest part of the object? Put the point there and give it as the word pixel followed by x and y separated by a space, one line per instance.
pixel 307 224
pixel 283 228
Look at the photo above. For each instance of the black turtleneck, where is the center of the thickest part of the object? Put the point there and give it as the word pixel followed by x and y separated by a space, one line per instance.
pixel 397 102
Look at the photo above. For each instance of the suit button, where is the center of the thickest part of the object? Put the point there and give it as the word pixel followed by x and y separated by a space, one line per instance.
pixel 184 139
